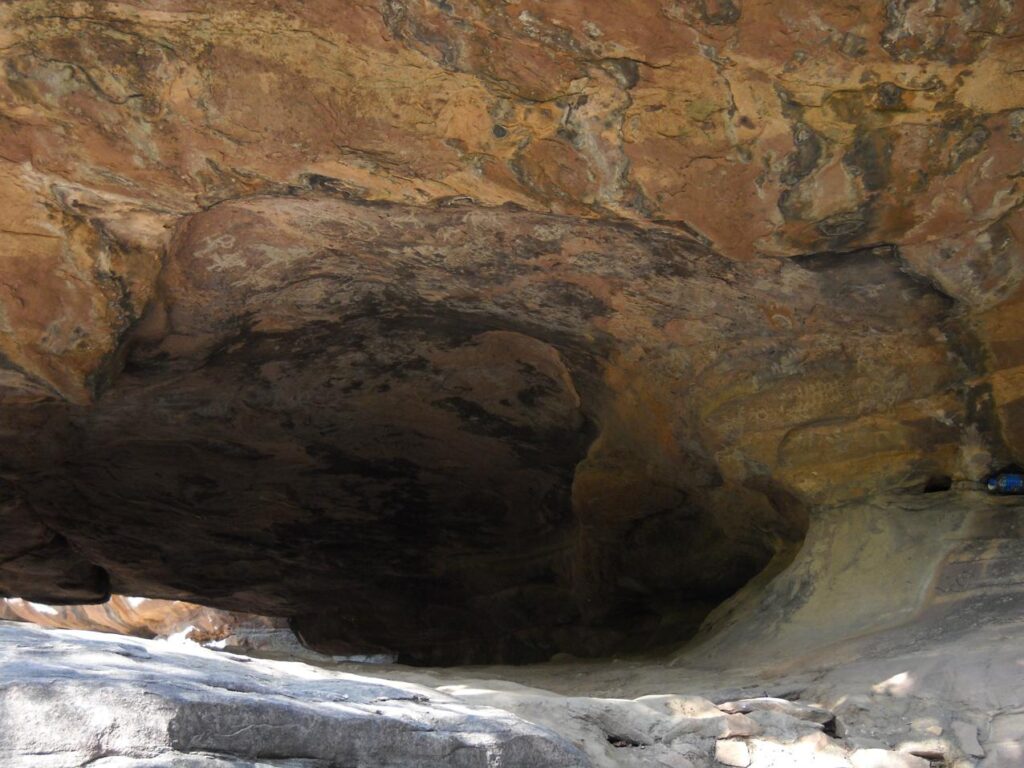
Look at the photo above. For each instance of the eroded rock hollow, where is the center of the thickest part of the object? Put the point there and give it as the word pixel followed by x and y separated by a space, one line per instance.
pixel 483 331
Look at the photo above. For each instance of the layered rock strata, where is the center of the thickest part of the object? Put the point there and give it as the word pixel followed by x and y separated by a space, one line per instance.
pixel 140 617
pixel 478 331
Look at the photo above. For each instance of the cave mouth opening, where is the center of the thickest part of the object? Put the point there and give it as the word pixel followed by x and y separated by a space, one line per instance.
pixel 428 488
pixel 636 594
pixel 468 513
pixel 412 433
pixel 639 587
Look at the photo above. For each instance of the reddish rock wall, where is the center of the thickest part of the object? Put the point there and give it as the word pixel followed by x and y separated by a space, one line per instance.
pixel 484 330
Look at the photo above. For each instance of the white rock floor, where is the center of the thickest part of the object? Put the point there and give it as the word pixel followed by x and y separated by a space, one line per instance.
pixel 70 698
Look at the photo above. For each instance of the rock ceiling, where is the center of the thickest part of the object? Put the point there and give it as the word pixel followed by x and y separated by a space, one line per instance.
pixel 482 330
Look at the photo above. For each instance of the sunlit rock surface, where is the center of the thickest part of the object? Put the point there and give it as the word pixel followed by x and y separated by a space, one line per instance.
pixel 916 694
pixel 77 698
pixel 178 621
pixel 485 331
pixel 141 617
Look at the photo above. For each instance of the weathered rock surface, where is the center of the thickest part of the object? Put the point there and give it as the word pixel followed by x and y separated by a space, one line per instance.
pixel 880 716
pixel 879 578
pixel 178 621
pixel 937 682
pixel 830 667
pixel 431 448
pixel 477 331
pixel 140 617
pixel 70 699
pixel 407 438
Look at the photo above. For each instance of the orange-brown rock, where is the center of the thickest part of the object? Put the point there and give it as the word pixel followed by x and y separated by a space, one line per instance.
pixel 489 329
pixel 138 616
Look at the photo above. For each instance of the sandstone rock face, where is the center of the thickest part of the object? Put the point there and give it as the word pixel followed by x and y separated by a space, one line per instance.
pixel 140 617
pixel 880 578
pixel 485 330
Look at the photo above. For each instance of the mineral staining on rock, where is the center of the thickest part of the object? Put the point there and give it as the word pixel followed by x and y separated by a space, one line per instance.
pixel 450 446
pixel 142 617
pixel 477 331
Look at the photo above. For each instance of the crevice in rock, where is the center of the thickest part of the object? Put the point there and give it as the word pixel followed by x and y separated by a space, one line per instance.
pixel 938 484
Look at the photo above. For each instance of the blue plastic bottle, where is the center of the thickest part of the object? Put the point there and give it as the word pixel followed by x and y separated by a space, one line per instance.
pixel 1006 483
